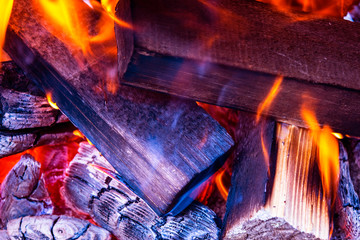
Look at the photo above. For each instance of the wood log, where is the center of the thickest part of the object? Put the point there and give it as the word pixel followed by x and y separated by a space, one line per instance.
pixel 151 139
pixel 229 52
pixel 23 192
pixel 353 149
pixel 54 227
pixel 347 214
pixel 23 105
pixel 90 189
pixel 250 172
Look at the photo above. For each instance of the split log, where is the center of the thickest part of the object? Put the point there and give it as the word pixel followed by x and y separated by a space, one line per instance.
pixel 54 227
pixel 23 192
pixel 90 189
pixel 151 139
pixel 229 52
pixel 250 172
pixel 353 148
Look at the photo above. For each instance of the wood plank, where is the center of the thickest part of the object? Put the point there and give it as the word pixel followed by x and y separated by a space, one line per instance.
pixel 252 35
pixel 242 89
pixel 162 146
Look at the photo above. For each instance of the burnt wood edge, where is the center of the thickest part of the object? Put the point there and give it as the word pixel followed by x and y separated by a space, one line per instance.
pixel 188 194
pixel 48 79
pixel 244 89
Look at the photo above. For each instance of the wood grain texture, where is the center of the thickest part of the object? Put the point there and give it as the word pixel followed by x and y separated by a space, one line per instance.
pixel 161 146
pixel 242 89
pixel 252 35
pixel 250 172
pixel 23 192
pixel 54 227
pixel 90 189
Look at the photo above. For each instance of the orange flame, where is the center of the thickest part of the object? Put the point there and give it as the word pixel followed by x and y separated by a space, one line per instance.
pixel 5 12
pixel 224 191
pixel 50 101
pixel 318 7
pixel 264 106
pixel 80 134
pixel 65 16
pixel 328 154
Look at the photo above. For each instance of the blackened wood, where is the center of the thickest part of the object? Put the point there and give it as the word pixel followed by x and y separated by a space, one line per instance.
pixel 151 139
pixel 23 192
pixel 347 214
pixel 54 227
pixel 242 89
pixel 353 149
pixel 250 172
pixel 90 189
pixel 252 35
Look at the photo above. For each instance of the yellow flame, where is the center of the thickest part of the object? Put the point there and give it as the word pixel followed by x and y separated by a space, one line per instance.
pixel 50 101
pixel 338 135
pixel 64 15
pixel 328 154
pixel 5 12
pixel 80 134
pixel 264 105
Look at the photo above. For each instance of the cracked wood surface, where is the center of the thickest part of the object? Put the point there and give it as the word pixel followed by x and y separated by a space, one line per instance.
pixel 162 146
pixel 23 192
pixel 90 189
pixel 53 227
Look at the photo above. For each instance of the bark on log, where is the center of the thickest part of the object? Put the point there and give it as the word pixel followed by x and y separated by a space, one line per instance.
pixel 151 139
pixel 23 192
pixel 347 214
pixel 248 182
pixel 90 189
pixel 54 227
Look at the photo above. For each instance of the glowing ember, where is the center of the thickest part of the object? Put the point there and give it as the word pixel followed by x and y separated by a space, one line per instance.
pixel 319 7
pixel 328 155
pixel 338 135
pixel 80 134
pixel 64 15
pixel 50 101
pixel 5 12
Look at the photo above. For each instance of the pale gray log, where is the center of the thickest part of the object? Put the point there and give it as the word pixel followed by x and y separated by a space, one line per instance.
pixel 23 192
pixel 53 227
pixel 114 207
pixel 4 235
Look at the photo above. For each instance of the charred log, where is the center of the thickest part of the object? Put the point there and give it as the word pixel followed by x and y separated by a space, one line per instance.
pixel 151 139
pixel 90 187
pixel 23 192
pixel 54 227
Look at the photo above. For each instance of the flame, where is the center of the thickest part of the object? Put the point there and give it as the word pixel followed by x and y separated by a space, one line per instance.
pixel 64 15
pixel 50 101
pixel 328 154
pixel 338 135
pixel 318 7
pixel 80 134
pixel 265 105
pixel 5 12
pixel 224 191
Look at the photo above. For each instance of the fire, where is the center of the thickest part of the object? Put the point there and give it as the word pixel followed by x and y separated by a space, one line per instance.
pixel 5 12
pixel 50 101
pixel 224 191
pixel 64 15
pixel 328 154
pixel 80 134
pixel 319 7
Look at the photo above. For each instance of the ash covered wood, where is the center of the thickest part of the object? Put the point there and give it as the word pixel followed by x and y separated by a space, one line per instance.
pixel 250 172
pixel 90 187
pixel 53 227
pixel 23 192
pixel 161 146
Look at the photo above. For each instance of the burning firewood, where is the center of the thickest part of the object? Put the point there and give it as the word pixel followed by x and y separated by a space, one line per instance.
pixel 91 187
pixel 23 192
pixel 53 227
pixel 151 139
